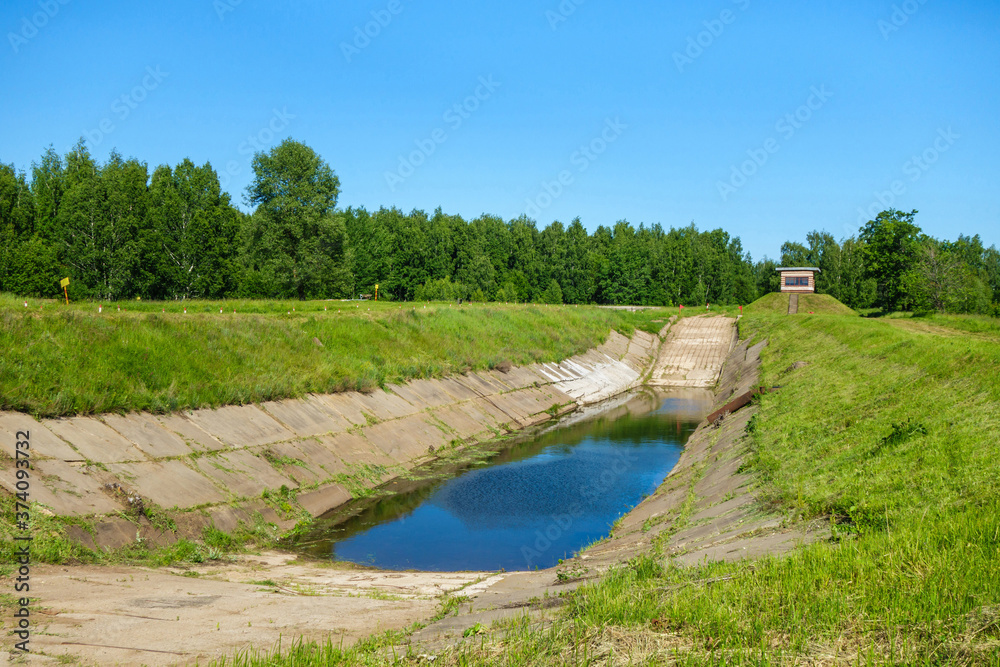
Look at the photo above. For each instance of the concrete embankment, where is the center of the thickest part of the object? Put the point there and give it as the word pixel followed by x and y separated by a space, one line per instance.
pixel 276 460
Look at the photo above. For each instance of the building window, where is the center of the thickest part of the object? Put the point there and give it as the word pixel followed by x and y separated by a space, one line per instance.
pixel 791 282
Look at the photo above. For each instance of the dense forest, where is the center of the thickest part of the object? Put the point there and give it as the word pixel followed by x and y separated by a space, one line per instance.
pixel 119 233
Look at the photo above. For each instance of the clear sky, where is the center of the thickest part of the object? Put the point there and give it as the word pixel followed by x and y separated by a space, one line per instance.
pixel 766 119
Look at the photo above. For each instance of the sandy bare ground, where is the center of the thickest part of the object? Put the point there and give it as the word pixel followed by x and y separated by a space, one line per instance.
pixel 143 616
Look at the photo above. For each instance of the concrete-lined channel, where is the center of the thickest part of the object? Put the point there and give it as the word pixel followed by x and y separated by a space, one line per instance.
pixel 400 430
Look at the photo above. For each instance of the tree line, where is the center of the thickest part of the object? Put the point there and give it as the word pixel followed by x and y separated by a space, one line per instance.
pixel 120 233
pixel 892 265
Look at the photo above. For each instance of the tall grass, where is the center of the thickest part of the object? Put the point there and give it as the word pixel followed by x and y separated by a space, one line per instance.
pixel 65 360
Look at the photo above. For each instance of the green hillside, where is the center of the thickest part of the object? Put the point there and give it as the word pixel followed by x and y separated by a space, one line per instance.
pixel 58 360
pixel 777 303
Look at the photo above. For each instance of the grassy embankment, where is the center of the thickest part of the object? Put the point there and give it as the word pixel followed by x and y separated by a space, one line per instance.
pixel 58 360
pixel 892 435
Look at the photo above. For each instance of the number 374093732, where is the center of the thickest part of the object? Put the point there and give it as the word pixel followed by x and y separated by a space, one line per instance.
pixel 23 465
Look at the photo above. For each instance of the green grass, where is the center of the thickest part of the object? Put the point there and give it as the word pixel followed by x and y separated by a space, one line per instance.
pixel 890 436
pixel 58 360
pixel 776 303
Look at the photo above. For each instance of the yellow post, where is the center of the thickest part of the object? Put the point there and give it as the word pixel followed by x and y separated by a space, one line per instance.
pixel 376 291
pixel 65 283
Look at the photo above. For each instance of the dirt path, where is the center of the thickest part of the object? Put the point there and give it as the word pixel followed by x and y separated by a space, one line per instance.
pixel 135 615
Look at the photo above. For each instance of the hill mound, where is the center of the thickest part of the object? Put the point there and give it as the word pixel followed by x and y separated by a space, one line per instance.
pixel 777 303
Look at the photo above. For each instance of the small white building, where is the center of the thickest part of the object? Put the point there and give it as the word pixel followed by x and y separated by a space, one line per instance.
pixel 798 279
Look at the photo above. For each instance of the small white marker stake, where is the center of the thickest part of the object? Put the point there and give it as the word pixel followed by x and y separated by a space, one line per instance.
pixel 100 308
pixel 185 311
pixel 25 304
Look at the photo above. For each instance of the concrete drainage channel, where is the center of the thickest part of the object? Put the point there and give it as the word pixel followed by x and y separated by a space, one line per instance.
pixel 218 467
pixel 213 466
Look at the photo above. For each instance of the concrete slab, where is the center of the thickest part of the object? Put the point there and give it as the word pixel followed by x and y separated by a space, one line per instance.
pixel 510 405
pixel 298 467
pixel 520 377
pixel 241 425
pixel 197 438
pixel 499 378
pixel 422 394
pixel 501 418
pixel 43 442
pixel 319 457
pixel 347 406
pixel 457 390
pixel 306 417
pixel 62 487
pixel 241 473
pixel 384 405
pixel 355 449
pixel 483 385
pixel 148 434
pixel 324 499
pixel 532 401
pixel 95 440
pixel 462 420
pixel 615 346
pixel 168 483
pixel 406 439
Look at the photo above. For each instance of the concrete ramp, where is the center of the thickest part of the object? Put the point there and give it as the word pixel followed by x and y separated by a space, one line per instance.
pixel 694 351
pixel 793 304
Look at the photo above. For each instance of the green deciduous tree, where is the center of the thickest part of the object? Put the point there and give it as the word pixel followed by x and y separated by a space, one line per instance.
pixel 191 239
pixel 295 242
pixel 889 251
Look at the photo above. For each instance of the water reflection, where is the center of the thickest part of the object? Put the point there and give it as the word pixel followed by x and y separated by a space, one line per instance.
pixel 536 502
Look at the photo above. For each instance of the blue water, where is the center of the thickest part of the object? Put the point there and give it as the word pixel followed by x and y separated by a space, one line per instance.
pixel 533 504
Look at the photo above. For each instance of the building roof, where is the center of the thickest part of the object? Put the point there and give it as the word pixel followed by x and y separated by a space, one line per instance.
pixel 796 268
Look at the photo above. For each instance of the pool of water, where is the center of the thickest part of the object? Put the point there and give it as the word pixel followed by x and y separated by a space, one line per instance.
pixel 527 505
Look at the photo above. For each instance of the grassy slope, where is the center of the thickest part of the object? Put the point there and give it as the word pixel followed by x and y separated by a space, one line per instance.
pixel 776 303
pixel 63 360
pixel 893 436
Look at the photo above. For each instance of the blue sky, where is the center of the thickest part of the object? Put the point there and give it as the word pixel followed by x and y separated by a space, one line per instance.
pixel 766 119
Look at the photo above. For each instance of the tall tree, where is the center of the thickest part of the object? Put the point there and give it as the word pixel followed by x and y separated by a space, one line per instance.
pixel 889 251
pixel 295 241
pixel 192 236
